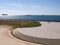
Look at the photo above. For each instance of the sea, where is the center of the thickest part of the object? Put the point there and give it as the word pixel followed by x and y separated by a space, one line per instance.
pixel 49 18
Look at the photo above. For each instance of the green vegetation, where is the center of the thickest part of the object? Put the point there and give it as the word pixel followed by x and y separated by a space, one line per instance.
pixel 16 23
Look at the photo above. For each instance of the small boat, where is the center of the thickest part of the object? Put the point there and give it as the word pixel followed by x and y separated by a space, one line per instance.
pixel 28 15
pixel 4 14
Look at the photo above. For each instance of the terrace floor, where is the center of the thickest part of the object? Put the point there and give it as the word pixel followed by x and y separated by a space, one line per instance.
pixel 7 39
pixel 47 33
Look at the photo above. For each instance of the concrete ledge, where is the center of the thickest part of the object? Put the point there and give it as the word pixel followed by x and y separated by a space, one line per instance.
pixel 35 39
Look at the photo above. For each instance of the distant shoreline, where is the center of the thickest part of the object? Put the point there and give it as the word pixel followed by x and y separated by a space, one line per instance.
pixel 48 18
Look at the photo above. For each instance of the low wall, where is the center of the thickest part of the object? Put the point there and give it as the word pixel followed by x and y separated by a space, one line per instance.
pixel 25 37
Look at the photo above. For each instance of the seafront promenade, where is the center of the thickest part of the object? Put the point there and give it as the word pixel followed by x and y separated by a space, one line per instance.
pixel 6 37
pixel 48 33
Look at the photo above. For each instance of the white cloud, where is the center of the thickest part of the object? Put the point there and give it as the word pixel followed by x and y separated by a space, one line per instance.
pixel 22 10
pixel 33 12
pixel 34 6
pixel 16 5
pixel 16 12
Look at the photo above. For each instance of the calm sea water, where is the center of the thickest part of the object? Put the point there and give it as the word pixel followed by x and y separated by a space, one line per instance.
pixel 34 17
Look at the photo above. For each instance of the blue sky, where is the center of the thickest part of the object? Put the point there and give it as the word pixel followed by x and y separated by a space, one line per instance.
pixel 30 7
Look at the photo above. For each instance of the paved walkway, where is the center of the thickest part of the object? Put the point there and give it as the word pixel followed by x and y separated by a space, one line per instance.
pixel 7 39
pixel 48 33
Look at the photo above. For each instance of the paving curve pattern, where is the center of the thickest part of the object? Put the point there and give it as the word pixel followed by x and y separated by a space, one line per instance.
pixel 7 39
pixel 48 33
